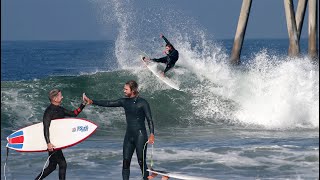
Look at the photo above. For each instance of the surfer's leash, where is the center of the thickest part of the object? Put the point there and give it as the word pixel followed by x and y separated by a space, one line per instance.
pixel 151 157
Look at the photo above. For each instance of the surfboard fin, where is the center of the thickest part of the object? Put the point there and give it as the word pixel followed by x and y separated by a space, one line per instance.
pixel 153 175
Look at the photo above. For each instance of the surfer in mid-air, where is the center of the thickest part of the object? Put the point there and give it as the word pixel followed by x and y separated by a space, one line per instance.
pixel 137 110
pixel 172 56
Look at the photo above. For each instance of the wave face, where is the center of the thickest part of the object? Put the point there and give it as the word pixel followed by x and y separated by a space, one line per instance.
pixel 278 95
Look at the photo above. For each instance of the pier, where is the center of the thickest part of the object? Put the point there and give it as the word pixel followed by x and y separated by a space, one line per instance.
pixel 294 22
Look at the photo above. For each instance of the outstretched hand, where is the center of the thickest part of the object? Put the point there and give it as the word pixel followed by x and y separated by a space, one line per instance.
pixel 161 35
pixel 83 99
pixel 86 99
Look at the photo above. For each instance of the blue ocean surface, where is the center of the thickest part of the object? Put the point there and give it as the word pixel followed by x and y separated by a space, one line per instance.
pixel 206 130
pixel 258 120
pixel 27 60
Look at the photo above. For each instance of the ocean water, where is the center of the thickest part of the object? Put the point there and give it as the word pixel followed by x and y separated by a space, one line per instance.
pixel 258 120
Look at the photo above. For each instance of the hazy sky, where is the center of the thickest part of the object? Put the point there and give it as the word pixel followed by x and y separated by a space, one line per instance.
pixel 80 20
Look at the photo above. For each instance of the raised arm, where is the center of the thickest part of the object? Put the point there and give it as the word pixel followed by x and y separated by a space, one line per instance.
pixel 75 112
pixel 166 40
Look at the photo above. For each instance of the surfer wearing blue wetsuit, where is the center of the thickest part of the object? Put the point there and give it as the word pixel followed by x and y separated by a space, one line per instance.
pixel 55 111
pixel 137 110
pixel 172 56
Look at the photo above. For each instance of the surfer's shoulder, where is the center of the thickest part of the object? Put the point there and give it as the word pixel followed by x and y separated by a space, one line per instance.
pixel 142 100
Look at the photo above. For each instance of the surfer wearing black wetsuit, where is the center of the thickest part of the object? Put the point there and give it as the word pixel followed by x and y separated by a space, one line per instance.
pixel 172 56
pixel 55 111
pixel 137 110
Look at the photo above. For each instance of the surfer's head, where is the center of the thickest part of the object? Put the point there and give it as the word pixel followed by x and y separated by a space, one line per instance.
pixel 130 89
pixel 55 96
pixel 169 47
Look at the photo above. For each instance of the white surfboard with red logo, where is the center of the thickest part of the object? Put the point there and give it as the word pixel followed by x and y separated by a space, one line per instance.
pixel 64 133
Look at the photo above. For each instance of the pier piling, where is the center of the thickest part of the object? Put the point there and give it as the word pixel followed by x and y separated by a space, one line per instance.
pixel 241 30
pixel 293 50
pixel 312 44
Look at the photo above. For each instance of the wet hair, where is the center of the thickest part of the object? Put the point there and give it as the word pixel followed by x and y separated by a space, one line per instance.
pixel 53 93
pixel 169 45
pixel 133 86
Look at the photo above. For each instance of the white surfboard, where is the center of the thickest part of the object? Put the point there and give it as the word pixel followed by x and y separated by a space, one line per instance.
pixel 64 133
pixel 168 175
pixel 152 66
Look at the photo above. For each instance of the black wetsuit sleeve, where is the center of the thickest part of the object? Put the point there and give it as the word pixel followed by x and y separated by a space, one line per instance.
pixel 147 112
pixel 161 60
pixel 167 42
pixel 75 112
pixel 106 103
pixel 46 125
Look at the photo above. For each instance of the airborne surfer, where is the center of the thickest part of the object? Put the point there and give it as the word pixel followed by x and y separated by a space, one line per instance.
pixel 172 56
